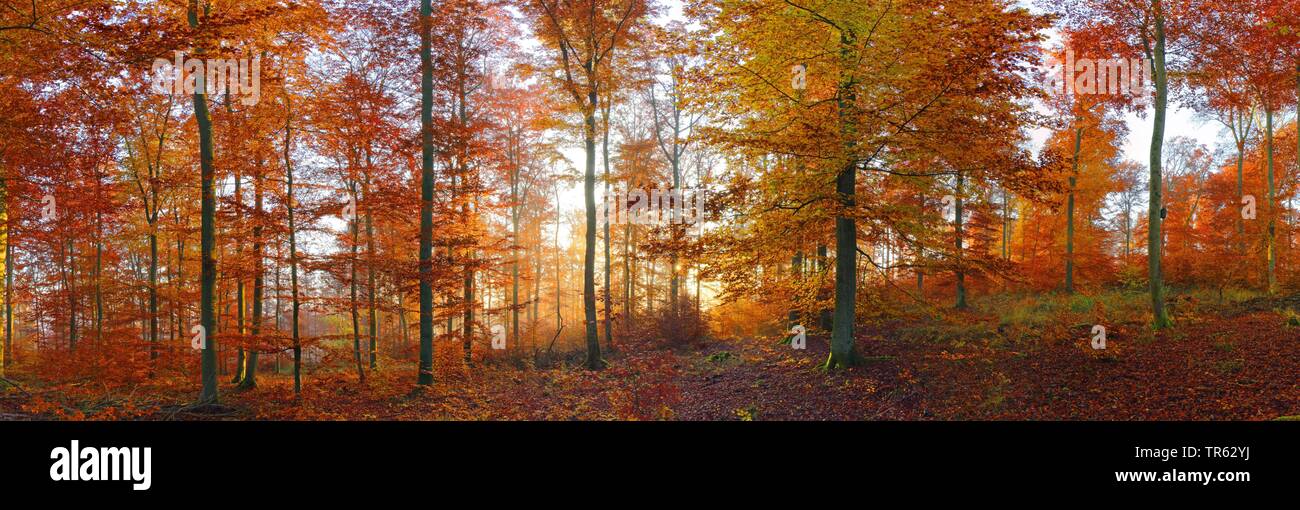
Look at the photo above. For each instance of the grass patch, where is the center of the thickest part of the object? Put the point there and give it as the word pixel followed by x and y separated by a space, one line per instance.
pixel 1228 366
pixel 747 414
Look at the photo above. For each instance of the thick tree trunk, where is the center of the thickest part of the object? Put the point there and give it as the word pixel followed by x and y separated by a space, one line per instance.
pixel 843 351
pixel 208 276
pixel 426 196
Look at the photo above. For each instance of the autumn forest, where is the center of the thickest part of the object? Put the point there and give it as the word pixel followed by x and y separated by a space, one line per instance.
pixel 649 210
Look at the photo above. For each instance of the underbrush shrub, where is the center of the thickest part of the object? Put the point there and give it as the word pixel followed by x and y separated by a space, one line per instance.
pixel 666 328
pixel 643 387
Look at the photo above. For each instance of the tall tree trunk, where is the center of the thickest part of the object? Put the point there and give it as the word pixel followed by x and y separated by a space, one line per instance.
pixel 1241 192
pixel 290 205
pixel 99 286
pixel 537 289
pixel 1069 214
pixel 1272 217
pixel 959 231
pixel 594 361
pixel 609 289
pixel 7 267
pixel 259 279
pixel 796 273
pixel 426 196
pixel 467 325
pixel 208 276
pixel 371 289
pixel 71 285
pixel 843 351
pixel 1006 224
pixel 559 299
pixel 515 206
pixel 825 318
pixel 1160 318
pixel 674 283
pixel 153 292
pixel 401 321
pixel 9 300
pixel 628 311
pixel 354 223
pixel 178 304
pixel 239 279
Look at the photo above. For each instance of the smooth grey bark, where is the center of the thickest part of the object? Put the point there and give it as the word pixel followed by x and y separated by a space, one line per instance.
pixel 208 275
pixel 843 351
pixel 1160 318
pixel 594 360
pixel 426 196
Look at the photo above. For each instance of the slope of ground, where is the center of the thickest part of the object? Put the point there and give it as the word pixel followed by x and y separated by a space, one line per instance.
pixel 1241 363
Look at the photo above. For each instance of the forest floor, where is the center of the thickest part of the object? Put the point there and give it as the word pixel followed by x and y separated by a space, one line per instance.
pixel 1226 362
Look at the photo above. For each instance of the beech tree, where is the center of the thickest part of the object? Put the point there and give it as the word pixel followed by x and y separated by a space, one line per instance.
pixel 582 36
